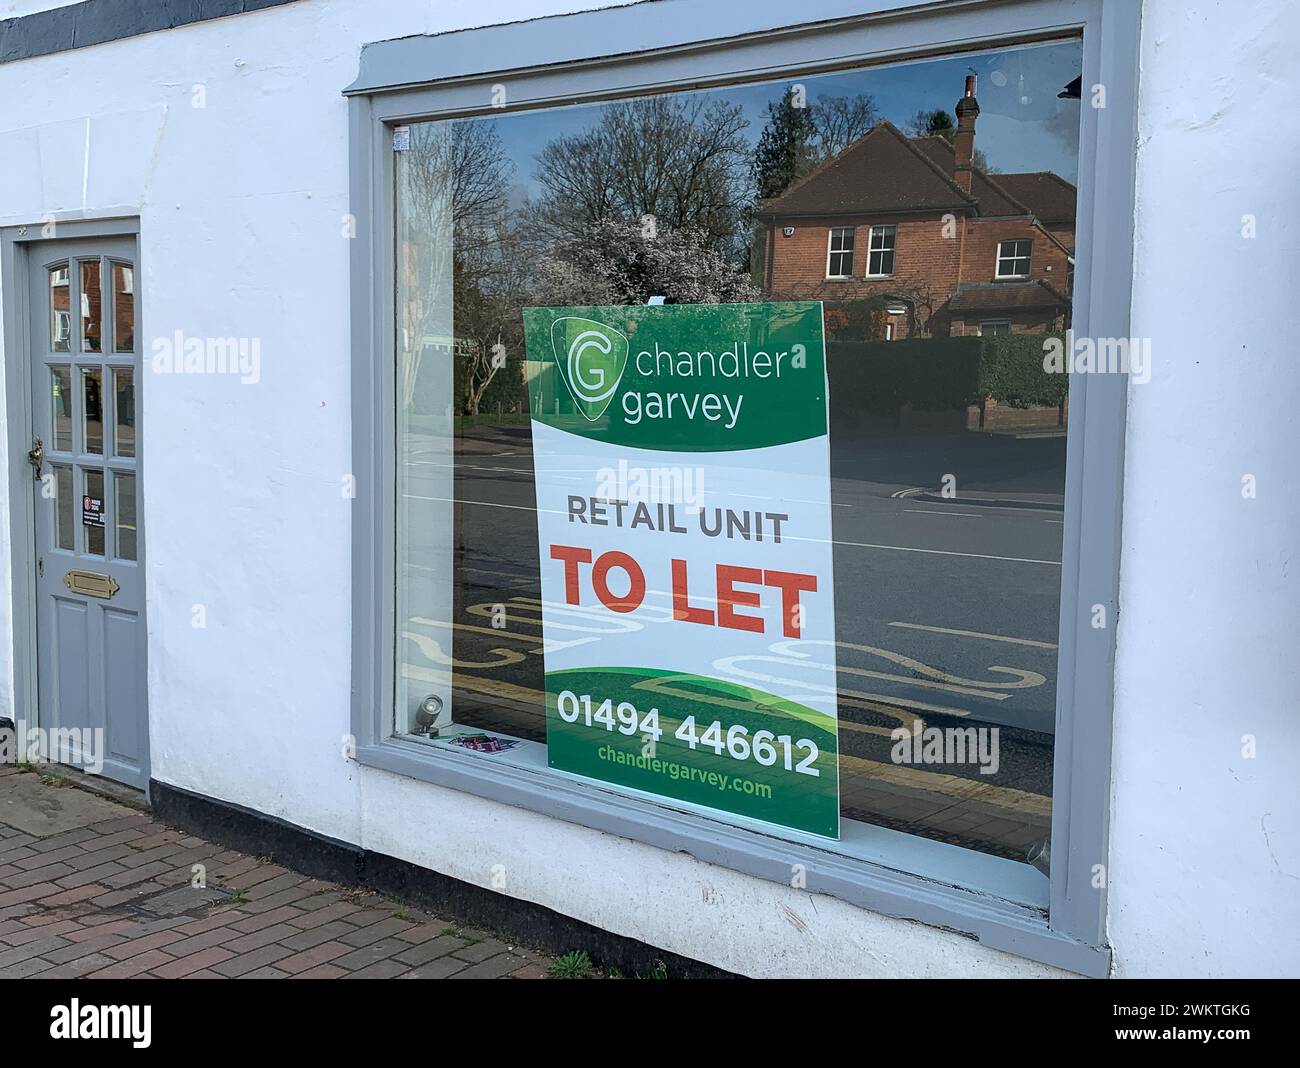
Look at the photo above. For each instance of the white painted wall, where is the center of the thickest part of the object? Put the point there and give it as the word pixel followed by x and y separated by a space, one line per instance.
pixel 241 205
pixel 1205 845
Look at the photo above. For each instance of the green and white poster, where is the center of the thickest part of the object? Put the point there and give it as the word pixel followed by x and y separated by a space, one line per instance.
pixel 683 512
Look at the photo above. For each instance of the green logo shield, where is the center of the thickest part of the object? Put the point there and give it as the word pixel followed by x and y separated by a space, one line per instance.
pixel 591 357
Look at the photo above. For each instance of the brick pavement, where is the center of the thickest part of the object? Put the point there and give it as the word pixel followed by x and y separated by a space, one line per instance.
pixel 111 897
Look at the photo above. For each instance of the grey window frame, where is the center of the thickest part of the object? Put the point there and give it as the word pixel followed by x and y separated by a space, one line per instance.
pixel 693 43
pixel 832 251
pixel 993 322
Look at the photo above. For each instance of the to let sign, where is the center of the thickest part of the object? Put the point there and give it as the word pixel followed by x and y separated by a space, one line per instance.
pixel 683 509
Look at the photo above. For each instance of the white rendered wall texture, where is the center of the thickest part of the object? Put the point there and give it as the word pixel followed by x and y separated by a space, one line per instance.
pixel 1205 842
pixel 242 206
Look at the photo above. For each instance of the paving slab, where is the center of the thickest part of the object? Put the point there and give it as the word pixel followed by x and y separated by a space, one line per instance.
pixel 92 887
pixel 30 807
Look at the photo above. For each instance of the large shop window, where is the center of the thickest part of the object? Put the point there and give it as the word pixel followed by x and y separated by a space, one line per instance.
pixel 945 537
pixel 674 525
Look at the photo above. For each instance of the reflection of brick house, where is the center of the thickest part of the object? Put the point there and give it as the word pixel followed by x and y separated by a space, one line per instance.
pixel 947 248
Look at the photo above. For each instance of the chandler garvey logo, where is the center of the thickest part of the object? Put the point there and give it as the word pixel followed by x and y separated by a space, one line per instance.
pixel 591 357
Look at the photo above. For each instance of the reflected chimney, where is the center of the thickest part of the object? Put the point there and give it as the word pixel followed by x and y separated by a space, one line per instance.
pixel 968 109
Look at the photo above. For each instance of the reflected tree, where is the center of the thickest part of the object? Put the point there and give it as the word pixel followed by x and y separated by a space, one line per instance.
pixel 938 123
pixel 680 160
pixel 787 147
pixel 493 272
pixel 799 137
pixel 453 193
pixel 841 120
pixel 619 262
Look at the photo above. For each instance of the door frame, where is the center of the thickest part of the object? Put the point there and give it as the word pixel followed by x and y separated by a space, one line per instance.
pixel 16 242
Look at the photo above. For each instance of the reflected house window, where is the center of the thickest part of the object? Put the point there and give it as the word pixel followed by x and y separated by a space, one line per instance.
pixel 549 207
pixel 91 307
pixel 880 257
pixel 1013 258
pixel 60 309
pixel 123 307
pixel 839 258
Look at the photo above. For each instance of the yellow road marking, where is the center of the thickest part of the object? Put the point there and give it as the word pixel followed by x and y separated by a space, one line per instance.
pixel 493 631
pixel 509 690
pixel 1026 680
pixel 976 634
pixel 433 652
pixel 906 681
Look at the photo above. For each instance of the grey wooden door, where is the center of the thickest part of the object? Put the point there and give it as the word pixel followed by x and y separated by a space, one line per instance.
pixel 85 372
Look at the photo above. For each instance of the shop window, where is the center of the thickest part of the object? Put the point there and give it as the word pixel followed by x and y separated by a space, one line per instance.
pixel 473 617
pixel 623 230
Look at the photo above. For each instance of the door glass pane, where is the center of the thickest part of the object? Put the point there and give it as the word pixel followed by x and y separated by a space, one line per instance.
pixel 91 312
pixel 123 308
pixel 124 511
pixel 64 501
pixel 92 503
pixel 92 384
pixel 60 312
pixel 61 407
pixel 124 412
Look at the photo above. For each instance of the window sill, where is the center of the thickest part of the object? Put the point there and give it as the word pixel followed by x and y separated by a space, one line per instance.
pixel 1000 903
pixel 877 277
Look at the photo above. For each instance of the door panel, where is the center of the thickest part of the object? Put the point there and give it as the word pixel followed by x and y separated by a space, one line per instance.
pixel 86 363
pixel 69 666
pixel 123 649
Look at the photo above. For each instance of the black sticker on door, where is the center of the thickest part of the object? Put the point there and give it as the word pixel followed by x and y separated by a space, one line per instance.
pixel 92 511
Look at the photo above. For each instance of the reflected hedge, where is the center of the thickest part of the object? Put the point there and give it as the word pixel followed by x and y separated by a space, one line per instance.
pixel 942 374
